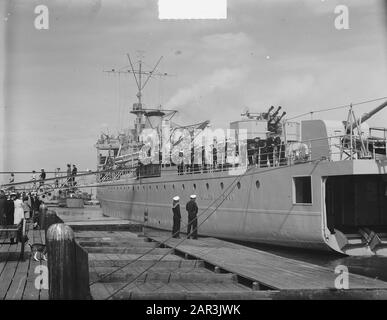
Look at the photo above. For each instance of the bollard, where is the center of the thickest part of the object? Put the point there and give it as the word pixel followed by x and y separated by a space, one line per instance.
pixel 50 218
pixel 61 262
pixel 42 212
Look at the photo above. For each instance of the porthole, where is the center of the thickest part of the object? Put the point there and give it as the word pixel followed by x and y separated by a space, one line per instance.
pixel 173 186
pixel 182 186
pixel 221 185
pixel 207 186
pixel 194 186
pixel 239 185
pixel 164 186
pixel 257 184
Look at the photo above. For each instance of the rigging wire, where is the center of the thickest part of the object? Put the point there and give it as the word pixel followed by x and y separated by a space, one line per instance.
pixel 336 108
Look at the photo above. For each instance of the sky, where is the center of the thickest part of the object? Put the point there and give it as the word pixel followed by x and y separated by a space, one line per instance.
pixel 56 99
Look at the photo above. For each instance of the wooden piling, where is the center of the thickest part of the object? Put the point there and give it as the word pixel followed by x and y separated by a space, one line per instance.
pixel 67 265
pixel 42 214
pixel 50 218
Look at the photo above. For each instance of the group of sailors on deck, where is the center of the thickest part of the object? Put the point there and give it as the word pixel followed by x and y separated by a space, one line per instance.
pixel 265 152
pixel 260 152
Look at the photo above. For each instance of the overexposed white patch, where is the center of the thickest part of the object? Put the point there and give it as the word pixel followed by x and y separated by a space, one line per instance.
pixel 192 9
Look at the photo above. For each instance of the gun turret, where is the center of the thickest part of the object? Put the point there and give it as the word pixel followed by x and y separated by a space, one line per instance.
pixel 280 118
pixel 275 113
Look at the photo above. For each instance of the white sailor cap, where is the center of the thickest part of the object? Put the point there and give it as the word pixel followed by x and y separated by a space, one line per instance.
pixel 177 198
pixel 193 196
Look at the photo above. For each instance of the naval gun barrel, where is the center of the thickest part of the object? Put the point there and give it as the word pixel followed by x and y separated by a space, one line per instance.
pixel 271 108
pixel 275 113
pixel 368 115
pixel 280 118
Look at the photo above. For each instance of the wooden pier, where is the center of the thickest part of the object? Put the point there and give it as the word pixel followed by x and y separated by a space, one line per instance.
pixel 17 276
pixel 127 262
pixel 149 278
pixel 266 269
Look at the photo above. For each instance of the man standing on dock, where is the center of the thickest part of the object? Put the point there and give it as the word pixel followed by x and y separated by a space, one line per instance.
pixel 176 217
pixel 74 173
pixel 42 177
pixel 3 204
pixel 69 179
pixel 192 209
pixel 33 179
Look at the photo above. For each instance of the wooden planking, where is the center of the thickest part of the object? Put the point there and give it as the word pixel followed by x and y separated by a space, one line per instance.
pixel 19 280
pixel 4 253
pixel 30 291
pixel 43 293
pixel 9 270
pixel 269 269
pixel 118 250
pixel 99 291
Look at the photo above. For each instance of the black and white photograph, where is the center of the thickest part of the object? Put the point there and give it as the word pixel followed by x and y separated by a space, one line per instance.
pixel 212 152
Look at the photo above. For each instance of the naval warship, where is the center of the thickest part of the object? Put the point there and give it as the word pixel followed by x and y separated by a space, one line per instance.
pixel 314 184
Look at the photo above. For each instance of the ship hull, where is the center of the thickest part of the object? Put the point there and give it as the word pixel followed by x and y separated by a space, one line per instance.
pixel 257 206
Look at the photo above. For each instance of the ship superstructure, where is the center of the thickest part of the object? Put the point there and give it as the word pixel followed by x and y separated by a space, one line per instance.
pixel 313 184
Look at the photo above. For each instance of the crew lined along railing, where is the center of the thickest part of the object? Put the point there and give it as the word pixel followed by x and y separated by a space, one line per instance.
pixel 296 152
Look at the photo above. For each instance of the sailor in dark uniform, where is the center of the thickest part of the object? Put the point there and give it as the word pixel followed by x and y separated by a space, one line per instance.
pixel 250 153
pixel 277 149
pixel 9 211
pixel 270 149
pixel 180 166
pixel 176 217
pixel 214 157
pixel 262 153
pixel 192 209
pixel 257 143
pixel 3 204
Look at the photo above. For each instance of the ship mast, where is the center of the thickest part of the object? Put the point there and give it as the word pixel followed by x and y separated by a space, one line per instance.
pixel 138 74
